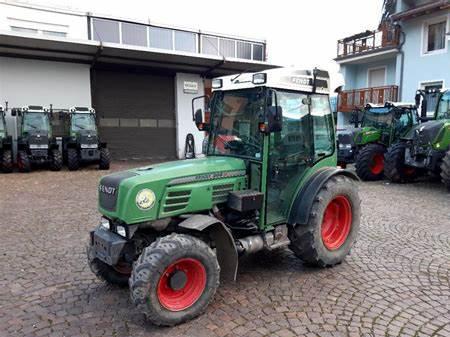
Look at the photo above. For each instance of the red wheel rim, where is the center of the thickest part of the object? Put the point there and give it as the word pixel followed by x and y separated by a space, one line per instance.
pixel 377 163
pixel 336 223
pixel 409 171
pixel 193 275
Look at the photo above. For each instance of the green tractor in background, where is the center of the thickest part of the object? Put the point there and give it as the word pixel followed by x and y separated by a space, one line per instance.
pixel 81 144
pixel 6 159
pixel 426 147
pixel 35 142
pixel 381 126
pixel 172 231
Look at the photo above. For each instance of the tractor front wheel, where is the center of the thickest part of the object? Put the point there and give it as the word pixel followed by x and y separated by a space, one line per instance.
pixel 73 162
pixel 105 159
pixel 56 160
pixel 23 162
pixel 174 279
pixel 370 162
pixel 7 163
pixel 332 226
pixel 395 168
pixel 445 170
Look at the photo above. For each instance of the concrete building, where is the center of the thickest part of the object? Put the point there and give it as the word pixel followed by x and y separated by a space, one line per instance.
pixel 409 51
pixel 140 77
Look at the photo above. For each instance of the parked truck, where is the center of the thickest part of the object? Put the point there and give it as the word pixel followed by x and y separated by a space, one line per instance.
pixel 269 179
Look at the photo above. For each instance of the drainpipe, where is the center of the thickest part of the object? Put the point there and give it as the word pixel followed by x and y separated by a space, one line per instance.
pixel 402 63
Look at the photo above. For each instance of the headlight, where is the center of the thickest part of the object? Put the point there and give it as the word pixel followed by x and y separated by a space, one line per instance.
pixel 121 231
pixel 105 223
pixel 345 146
pixel 145 199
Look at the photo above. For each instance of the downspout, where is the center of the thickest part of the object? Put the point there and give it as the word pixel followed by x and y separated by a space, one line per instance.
pixel 402 63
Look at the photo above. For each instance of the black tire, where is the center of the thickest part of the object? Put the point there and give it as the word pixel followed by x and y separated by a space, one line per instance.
pixel 367 162
pixel 105 159
pixel 151 269
pixel 73 162
pixel 7 163
pixel 308 242
pixel 445 170
pixel 105 272
pixel 395 169
pixel 56 161
pixel 23 162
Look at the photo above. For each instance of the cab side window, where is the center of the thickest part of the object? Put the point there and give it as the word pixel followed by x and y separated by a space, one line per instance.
pixel 322 120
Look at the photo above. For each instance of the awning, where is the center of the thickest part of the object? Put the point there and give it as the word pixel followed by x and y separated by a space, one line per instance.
pixel 91 52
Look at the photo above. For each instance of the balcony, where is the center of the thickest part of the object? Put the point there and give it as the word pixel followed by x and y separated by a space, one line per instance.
pixel 385 38
pixel 350 100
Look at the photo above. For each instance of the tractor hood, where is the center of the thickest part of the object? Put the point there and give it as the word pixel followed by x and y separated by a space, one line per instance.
pixel 366 135
pixel 435 133
pixel 171 188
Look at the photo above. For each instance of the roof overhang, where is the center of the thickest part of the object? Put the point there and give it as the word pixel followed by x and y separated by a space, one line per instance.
pixel 375 55
pixel 428 8
pixel 90 52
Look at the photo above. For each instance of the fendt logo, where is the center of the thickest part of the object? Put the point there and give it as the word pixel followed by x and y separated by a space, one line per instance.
pixel 107 189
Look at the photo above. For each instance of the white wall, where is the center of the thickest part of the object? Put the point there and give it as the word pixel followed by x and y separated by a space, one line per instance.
pixel 34 82
pixel 12 14
pixel 183 112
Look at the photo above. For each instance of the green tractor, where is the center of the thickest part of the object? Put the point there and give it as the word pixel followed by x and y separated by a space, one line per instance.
pixel 381 126
pixel 81 144
pixel 6 161
pixel 426 147
pixel 172 231
pixel 35 143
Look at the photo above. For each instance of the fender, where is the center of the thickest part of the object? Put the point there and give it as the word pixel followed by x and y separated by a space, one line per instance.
pixel 226 251
pixel 301 208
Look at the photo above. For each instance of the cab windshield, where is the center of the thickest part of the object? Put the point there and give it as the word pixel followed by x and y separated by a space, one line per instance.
pixel 443 110
pixel 379 118
pixel 234 123
pixel 83 122
pixel 2 124
pixel 35 121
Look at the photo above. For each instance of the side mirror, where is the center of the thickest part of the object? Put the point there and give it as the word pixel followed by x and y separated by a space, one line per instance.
pixel 198 117
pixel 417 99
pixel 274 119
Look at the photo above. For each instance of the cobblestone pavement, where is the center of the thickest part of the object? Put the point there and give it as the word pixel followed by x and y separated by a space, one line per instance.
pixel 396 282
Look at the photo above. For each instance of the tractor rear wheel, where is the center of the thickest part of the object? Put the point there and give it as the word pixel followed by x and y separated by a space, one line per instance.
pixel 7 163
pixel 395 169
pixel 23 162
pixel 370 162
pixel 118 275
pixel 332 226
pixel 56 161
pixel 174 279
pixel 105 159
pixel 73 163
pixel 445 170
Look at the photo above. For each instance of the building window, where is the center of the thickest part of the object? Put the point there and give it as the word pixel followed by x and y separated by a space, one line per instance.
pixel 258 52
pixel 161 38
pixel 134 34
pixel 227 48
pixel 24 30
pixel 210 45
pixel 244 50
pixel 435 36
pixel 185 41
pixel 54 33
pixel 105 30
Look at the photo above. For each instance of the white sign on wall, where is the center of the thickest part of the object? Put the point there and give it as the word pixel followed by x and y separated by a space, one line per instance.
pixel 190 87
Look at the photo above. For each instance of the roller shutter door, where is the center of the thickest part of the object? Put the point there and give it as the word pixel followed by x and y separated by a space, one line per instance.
pixel 136 113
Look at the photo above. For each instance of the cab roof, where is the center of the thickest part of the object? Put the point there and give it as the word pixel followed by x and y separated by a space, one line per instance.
pixel 279 78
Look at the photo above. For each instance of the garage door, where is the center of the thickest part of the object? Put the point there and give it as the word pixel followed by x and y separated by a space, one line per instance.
pixel 136 112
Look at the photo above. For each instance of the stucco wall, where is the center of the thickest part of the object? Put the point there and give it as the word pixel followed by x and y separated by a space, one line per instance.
pixel 418 66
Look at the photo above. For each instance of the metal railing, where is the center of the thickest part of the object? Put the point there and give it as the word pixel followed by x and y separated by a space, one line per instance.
pixel 387 36
pixel 350 100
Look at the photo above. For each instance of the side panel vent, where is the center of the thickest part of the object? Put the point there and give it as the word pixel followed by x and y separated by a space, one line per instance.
pixel 176 201
pixel 220 193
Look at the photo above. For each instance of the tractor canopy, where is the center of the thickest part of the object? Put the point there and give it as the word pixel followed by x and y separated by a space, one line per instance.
pixel 168 189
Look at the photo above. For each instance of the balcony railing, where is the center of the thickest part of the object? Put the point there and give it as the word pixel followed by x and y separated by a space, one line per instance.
pixel 350 100
pixel 387 36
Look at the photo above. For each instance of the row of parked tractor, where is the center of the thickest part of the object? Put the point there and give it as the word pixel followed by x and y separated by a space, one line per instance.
pixel 39 145
pixel 400 141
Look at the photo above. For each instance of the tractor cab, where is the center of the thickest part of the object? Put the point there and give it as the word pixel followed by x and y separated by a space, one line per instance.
pixel 81 143
pixel 2 123
pixel 5 145
pixel 268 180
pixel 36 145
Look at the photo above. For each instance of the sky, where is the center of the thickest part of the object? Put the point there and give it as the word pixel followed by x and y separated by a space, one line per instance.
pixel 298 32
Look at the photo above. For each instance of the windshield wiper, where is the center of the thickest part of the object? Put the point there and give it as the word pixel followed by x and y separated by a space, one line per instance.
pixel 79 127
pixel 32 126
